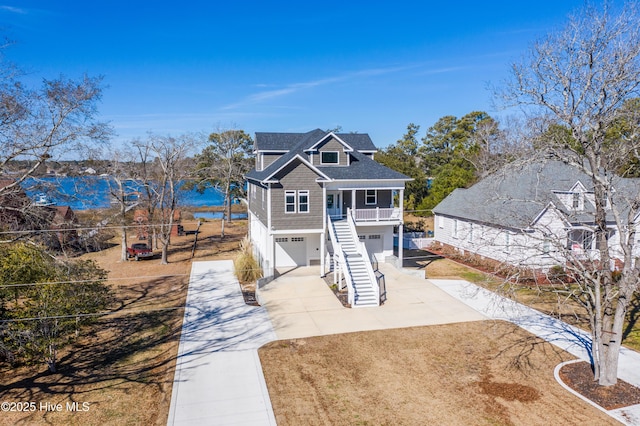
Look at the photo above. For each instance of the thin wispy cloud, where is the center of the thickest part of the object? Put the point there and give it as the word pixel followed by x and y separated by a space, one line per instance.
pixel 267 95
pixel 444 70
pixel 13 9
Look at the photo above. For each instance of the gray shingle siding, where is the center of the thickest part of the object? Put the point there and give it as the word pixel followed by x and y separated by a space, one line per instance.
pixel 294 177
pixel 383 200
pixel 331 145
pixel 255 203
pixel 268 159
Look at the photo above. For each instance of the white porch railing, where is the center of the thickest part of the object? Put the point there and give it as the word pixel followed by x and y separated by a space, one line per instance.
pixel 377 214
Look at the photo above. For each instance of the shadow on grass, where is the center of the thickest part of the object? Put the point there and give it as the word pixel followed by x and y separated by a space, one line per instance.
pixel 136 346
pixel 633 314
pixel 116 350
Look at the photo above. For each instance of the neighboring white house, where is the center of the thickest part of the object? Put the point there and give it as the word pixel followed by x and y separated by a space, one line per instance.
pixel 534 215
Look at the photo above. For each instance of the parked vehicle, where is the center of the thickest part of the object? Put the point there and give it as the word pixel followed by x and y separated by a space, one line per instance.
pixel 139 251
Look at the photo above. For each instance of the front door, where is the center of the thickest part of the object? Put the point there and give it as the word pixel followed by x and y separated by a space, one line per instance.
pixel 334 205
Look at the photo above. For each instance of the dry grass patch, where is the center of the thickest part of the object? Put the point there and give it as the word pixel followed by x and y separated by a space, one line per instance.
pixel 480 373
pixel 124 366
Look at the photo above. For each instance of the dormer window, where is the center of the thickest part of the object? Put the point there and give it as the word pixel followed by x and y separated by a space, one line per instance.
pixel 576 201
pixel 329 157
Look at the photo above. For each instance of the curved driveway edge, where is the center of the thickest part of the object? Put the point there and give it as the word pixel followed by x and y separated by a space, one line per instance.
pixel 218 378
pixel 573 340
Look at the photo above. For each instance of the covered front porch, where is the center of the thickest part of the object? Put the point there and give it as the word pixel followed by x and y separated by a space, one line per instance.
pixel 377 205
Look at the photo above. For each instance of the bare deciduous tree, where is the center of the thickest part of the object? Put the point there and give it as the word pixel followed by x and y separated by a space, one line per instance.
pixel 121 186
pixel 579 78
pixel 173 168
pixel 39 125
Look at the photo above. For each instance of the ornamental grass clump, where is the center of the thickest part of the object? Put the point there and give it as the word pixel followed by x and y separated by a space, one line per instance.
pixel 247 267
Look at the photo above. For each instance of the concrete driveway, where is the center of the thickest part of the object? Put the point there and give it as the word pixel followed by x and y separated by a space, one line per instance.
pixel 218 378
pixel 300 304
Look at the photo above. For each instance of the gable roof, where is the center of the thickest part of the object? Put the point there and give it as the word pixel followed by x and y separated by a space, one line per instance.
pixel 361 167
pixel 291 159
pixel 516 195
pixel 280 142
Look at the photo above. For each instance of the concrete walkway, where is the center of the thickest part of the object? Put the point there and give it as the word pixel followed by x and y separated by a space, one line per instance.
pixel 218 378
pixel 571 339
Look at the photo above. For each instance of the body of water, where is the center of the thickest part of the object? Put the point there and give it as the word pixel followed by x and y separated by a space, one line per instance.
pixel 92 192
pixel 217 215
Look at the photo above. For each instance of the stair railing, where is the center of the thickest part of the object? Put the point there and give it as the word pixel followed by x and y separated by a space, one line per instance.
pixel 340 260
pixel 361 247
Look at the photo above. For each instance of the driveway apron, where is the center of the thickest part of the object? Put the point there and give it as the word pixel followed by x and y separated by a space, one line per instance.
pixel 218 378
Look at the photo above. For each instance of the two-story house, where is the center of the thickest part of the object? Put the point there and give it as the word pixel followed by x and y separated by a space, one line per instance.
pixel 320 198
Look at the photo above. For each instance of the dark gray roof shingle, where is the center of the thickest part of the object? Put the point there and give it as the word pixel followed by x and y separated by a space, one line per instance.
pixel 286 141
pixel 362 167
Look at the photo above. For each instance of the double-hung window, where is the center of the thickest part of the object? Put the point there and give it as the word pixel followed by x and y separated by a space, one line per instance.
pixel 370 197
pixel 289 201
pixel 296 201
pixel 303 201
pixel 576 201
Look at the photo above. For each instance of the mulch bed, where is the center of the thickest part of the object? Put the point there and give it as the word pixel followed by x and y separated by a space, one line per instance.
pixel 342 296
pixel 579 377
pixel 250 298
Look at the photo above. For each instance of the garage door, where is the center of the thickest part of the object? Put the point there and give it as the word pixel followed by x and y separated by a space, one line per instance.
pixel 373 243
pixel 291 251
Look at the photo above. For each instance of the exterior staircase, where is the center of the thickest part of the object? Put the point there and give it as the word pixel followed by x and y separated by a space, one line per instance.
pixel 356 264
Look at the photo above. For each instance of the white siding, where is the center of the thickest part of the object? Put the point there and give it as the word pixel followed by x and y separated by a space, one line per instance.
pixel 500 244
pixel 261 244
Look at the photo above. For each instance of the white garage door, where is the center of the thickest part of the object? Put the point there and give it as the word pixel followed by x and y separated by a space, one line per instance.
pixel 291 251
pixel 374 244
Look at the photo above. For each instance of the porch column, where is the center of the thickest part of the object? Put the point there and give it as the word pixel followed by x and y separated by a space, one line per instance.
pixel 272 257
pixel 353 201
pixel 401 229
pixel 323 245
pixel 323 235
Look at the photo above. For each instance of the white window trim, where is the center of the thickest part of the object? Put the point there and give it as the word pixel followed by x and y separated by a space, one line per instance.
pixel 470 234
pixel 454 231
pixel 295 204
pixel 579 198
pixel 300 193
pixel 327 152
pixel 262 191
pixel 375 197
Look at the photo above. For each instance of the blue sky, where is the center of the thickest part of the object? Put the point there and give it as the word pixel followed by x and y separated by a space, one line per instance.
pixel 368 66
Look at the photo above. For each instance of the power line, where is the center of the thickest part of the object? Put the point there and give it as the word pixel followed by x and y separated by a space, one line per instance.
pixel 92 228
pixel 97 314
pixel 12 285
pixel 33 284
